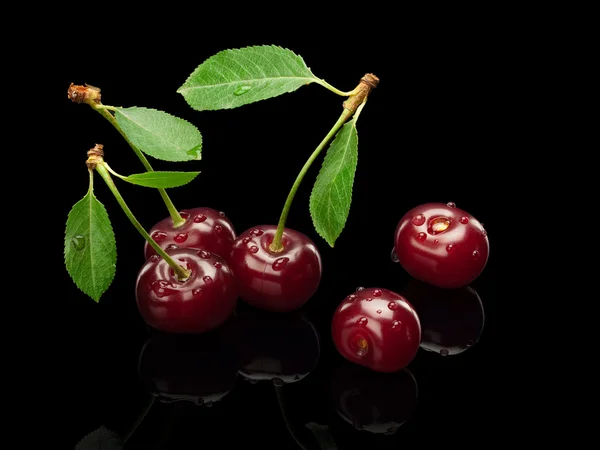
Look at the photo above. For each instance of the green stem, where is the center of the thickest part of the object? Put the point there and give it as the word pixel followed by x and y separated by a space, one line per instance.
pixel 104 112
pixel 276 245
pixel 335 90
pixel 286 420
pixel 181 273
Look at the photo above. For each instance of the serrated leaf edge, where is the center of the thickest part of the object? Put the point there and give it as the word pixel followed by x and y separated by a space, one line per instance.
pixel 127 178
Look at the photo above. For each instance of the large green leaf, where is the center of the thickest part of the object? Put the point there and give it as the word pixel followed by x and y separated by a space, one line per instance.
pixel 332 192
pixel 90 247
pixel 159 134
pixel 161 179
pixel 236 77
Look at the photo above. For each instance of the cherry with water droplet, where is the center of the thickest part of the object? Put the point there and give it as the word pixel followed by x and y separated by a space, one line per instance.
pixel 447 247
pixel 204 228
pixel 200 303
pixel 382 333
pixel 275 280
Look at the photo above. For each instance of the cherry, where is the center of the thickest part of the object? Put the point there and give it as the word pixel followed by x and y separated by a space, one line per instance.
pixel 204 228
pixel 441 244
pixel 375 402
pixel 198 368
pixel 197 304
pixel 376 328
pixel 451 319
pixel 275 280
pixel 281 348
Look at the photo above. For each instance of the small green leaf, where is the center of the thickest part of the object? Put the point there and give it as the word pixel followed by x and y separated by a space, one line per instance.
pixel 236 77
pixel 322 435
pixel 159 134
pixel 332 192
pixel 90 247
pixel 162 180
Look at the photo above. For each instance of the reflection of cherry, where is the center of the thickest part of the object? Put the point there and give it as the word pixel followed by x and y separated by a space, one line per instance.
pixel 201 368
pixel 451 319
pixel 372 401
pixel 282 348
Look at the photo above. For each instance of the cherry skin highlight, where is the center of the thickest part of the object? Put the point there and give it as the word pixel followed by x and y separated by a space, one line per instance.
pixel 204 228
pixel 441 244
pixel 276 281
pixel 376 328
pixel 202 302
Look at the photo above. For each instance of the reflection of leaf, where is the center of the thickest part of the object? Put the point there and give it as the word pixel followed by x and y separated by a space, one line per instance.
pixel 322 435
pixel 100 439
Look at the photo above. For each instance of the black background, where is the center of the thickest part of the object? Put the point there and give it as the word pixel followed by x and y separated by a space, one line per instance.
pixel 431 131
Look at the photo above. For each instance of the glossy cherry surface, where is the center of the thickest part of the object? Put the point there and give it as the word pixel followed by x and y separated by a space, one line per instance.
pixel 441 244
pixel 276 281
pixel 452 320
pixel 198 368
pixel 281 348
pixel 376 328
pixel 375 402
pixel 204 228
pixel 201 303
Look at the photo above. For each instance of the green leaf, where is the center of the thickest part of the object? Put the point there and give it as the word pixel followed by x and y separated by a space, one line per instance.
pixel 90 247
pixel 332 192
pixel 322 435
pixel 159 134
pixel 236 77
pixel 163 180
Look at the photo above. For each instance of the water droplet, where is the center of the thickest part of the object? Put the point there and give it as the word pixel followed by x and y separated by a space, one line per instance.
pixel 360 288
pixel 218 228
pixel 246 240
pixel 396 325
pixel 199 218
pixel 418 220
pixel 253 249
pixel 207 279
pixel 379 311
pixel 159 235
pixel 351 297
pixel 162 288
pixel 377 292
pixel 197 291
pixel 393 306
pixel 280 263
pixel 184 215
pixel 257 232
pixel 464 220
pixel 154 258
pixel 180 238
pixel 450 248
pixel 470 343
pixel 78 242
pixel 362 321
pixel 421 236
pixel 394 256
pixel 171 247
pixel 438 225
pixel 451 205
pixel 278 382
pixel 484 232
pixel 218 265
pixel 203 254
pixel 436 241
pixel 221 213
pixel 444 352
pixel 208 403
pixel 475 254
pixel 242 90
pixel 369 299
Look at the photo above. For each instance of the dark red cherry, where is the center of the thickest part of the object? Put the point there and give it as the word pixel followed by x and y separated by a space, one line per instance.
pixel 276 281
pixel 200 303
pixel 376 328
pixel 281 348
pixel 204 228
pixel 451 319
pixel 199 368
pixel 371 401
pixel 441 244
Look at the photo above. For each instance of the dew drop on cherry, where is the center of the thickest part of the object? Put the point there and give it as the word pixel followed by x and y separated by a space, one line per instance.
pixel 204 254
pixel 180 238
pixel 396 325
pixel 257 232
pixel 450 248
pixel 379 311
pixel 155 258
pixel 207 279
pixel 351 297
pixel 197 292
pixel 171 247
pixel 418 220
pixel 360 288
pixel 369 299
pixel 421 236
pixel 444 352
pixel 475 254
pixel 217 264
pixel 199 218
pixel 377 293
pixel 436 241
pixel 484 233
pixel 451 205
pixel 221 213
pixel 464 220
pixel 253 249
pixel 393 306
pixel 159 235
pixel 280 263
pixel 184 215
pixel 246 240
pixel 162 288
pixel 218 228
pixel 362 321
pixel 394 256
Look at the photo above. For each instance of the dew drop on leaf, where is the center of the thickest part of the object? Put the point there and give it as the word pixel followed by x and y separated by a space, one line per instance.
pixel 242 90
pixel 78 242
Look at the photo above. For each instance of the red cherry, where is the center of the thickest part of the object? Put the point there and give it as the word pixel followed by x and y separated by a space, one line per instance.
pixel 441 244
pixel 276 281
pixel 376 328
pixel 451 319
pixel 204 228
pixel 200 303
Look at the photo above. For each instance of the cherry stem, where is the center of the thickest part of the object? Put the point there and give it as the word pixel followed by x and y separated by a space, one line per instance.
pixel 91 96
pixel 96 161
pixel 288 423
